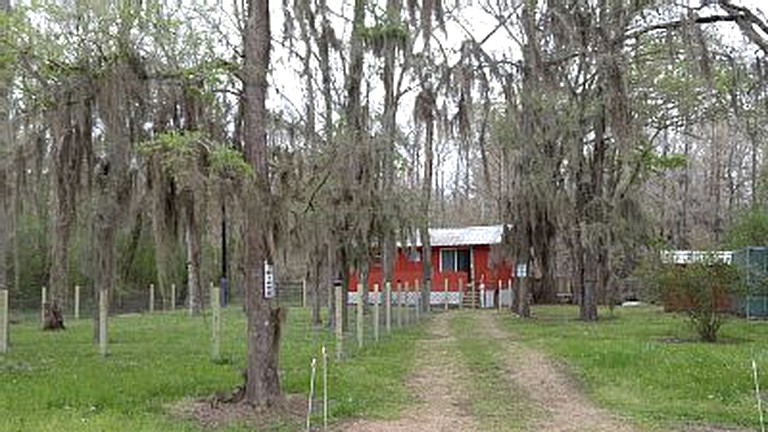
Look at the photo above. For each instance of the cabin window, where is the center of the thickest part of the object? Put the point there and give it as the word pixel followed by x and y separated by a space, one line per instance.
pixel 453 260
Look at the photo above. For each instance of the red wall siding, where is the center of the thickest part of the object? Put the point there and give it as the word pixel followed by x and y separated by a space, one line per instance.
pixel 406 270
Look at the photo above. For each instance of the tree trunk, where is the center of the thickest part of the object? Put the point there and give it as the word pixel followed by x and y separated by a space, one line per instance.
pixel 262 381
pixel 163 224
pixel 389 250
pixel 193 239
pixel 426 259
pixel 62 214
pixel 5 158
pixel 104 231
pixel 111 180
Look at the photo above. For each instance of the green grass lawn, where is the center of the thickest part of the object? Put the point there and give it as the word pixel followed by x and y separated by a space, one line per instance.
pixel 58 382
pixel 625 364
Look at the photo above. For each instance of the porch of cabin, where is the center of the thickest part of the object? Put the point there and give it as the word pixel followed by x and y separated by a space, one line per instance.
pixel 462 276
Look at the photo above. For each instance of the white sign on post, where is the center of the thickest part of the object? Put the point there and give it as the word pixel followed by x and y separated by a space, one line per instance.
pixel 269 281
pixel 521 270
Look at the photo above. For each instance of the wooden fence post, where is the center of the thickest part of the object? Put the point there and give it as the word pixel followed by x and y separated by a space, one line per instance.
pixel 77 302
pixel 191 300
pixel 215 323
pixel 400 303
pixel 376 312
pixel 4 312
pixel 388 305
pixel 461 294
pixel 339 324
pixel 103 316
pixel 417 302
pixel 151 298
pixel 482 295
pixel 445 293
pixel 173 297
pixel 474 297
pixel 43 300
pixel 511 295
pixel 304 292
pixel 360 315
pixel 499 296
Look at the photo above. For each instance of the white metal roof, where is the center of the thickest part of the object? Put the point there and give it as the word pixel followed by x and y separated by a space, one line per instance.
pixel 460 236
pixel 691 256
pixel 466 236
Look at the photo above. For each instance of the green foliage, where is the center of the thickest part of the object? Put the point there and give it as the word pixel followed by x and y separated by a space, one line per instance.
pixel 178 151
pixel 185 154
pixel 629 365
pixel 703 291
pixel 33 257
pixel 750 229
pixel 658 163
pixel 377 36
pixel 227 162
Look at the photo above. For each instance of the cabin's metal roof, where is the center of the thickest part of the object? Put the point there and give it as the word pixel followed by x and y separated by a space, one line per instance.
pixel 460 236
pixel 466 236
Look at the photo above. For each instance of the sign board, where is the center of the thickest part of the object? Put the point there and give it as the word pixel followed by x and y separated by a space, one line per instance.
pixel 521 270
pixel 269 281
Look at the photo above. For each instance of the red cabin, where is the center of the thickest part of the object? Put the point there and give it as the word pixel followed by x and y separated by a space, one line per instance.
pixel 460 257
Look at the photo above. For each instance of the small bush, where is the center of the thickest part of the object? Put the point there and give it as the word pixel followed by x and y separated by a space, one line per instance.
pixel 703 291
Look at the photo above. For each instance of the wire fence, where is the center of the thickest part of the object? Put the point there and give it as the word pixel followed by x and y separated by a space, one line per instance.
pixel 81 302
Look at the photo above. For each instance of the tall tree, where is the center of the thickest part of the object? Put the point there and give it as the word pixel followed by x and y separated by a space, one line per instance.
pixel 262 382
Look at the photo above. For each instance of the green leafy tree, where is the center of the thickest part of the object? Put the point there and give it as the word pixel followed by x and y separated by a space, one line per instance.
pixel 751 229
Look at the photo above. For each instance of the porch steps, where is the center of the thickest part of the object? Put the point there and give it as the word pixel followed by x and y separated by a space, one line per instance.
pixel 466 299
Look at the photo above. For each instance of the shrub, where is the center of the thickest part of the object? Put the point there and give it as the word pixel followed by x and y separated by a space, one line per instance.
pixel 703 291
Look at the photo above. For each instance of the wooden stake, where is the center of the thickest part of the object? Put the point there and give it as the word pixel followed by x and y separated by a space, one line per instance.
pixel 173 297
pixel 445 293
pixel 43 300
pixel 191 299
pixel 325 388
pixel 215 323
pixel 400 303
pixel 151 298
pixel 339 325
pixel 103 314
pixel 499 296
pixel 311 393
pixel 474 297
pixel 376 312
pixel 511 294
pixel 388 305
pixel 360 315
pixel 461 294
pixel 4 312
pixel 482 295
pixel 77 302
pixel 304 292
pixel 417 291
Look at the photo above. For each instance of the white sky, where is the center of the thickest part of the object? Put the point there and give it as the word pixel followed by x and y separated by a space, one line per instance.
pixel 287 85
pixel 470 19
